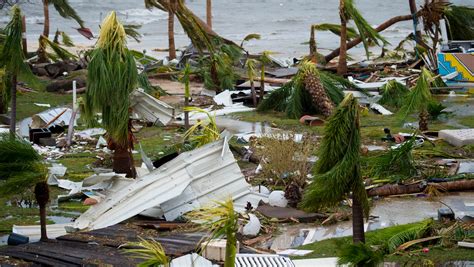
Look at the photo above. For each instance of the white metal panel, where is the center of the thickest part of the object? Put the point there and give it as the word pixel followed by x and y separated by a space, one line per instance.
pixel 34 231
pixel 192 179
pixel 259 260
pixel 151 109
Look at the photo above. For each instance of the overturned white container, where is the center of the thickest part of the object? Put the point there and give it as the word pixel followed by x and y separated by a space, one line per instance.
pixel 191 180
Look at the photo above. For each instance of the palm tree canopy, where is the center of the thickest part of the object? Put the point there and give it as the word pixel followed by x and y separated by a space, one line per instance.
pixel 20 165
pixel 66 11
pixel 337 172
pixel 12 56
pixel 419 96
pixel 112 76
pixel 366 32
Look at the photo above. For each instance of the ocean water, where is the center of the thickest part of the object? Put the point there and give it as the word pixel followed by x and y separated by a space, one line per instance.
pixel 283 25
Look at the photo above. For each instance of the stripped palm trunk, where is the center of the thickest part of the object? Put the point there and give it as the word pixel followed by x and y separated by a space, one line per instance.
pixel 262 82
pixel 171 43
pixel 13 105
pixel 209 13
pixel 358 235
pixel 423 120
pixel 123 161
pixel 42 198
pixel 313 50
pixel 46 18
pixel 342 65
pixel 318 94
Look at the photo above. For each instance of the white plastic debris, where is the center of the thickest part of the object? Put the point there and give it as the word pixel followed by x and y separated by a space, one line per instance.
pixel 277 199
pixel 252 228
pixel 224 98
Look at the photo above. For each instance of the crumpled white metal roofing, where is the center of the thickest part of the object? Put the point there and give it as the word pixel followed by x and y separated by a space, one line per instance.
pixel 193 179
pixel 145 106
pixel 265 260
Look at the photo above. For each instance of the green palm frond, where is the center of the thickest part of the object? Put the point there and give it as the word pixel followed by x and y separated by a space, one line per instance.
pixel 460 22
pixel 66 40
pixel 293 99
pixel 413 233
pixel 336 29
pixel 220 220
pixel 396 164
pixel 359 255
pixel 419 96
pixel 132 31
pixel 58 51
pixel 151 252
pixel 185 78
pixel 251 64
pixel 252 36
pixel 337 172
pixel 112 76
pixel 393 94
pixel 21 166
pixel 366 32
pixel 66 11
pixel 203 131
pixel 11 56
pixel 278 99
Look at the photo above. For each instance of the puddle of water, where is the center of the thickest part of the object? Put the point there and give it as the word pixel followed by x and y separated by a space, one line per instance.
pixel 389 212
pixel 466 167
pixel 238 127
pixel 60 219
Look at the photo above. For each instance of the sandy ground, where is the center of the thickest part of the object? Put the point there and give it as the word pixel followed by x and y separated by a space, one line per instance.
pixel 176 91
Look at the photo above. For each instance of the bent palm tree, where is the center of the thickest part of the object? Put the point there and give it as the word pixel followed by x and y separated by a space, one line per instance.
pixel 112 76
pixel 21 168
pixel 13 60
pixel 66 11
pixel 347 12
pixel 419 98
pixel 337 174
pixel 171 43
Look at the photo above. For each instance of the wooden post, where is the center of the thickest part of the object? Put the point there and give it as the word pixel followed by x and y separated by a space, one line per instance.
pixel 209 13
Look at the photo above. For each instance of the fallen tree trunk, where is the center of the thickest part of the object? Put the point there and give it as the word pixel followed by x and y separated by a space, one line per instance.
pixel 380 28
pixel 391 189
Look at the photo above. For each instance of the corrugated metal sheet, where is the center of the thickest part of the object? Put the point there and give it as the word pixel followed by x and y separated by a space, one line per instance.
pixel 147 107
pixel 189 181
pixel 258 260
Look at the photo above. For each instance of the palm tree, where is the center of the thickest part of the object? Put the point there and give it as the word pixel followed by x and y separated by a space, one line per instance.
pixel 312 83
pixel 112 76
pixel 220 220
pixel 209 13
pixel 13 60
pixel 250 64
pixel 264 59
pixel 348 11
pixel 298 98
pixel 21 168
pixel 66 11
pixel 419 98
pixel 337 174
